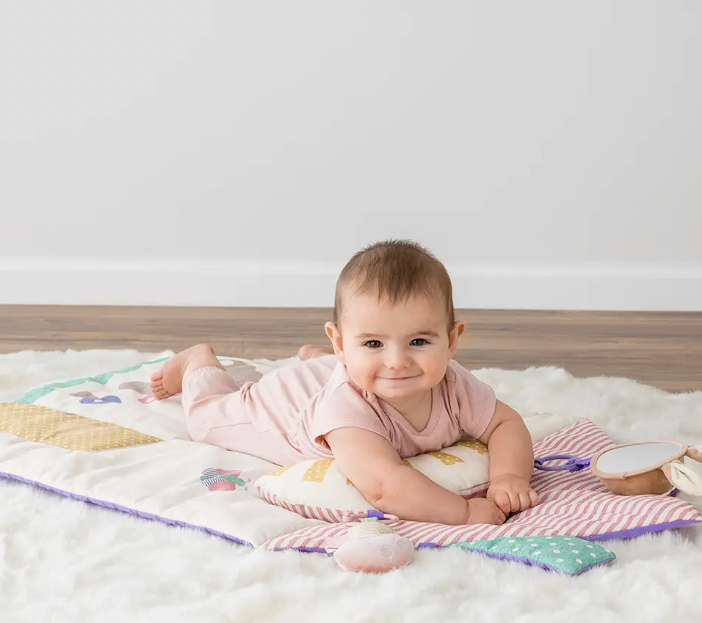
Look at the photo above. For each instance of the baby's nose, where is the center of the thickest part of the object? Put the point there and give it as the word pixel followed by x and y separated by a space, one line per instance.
pixel 397 359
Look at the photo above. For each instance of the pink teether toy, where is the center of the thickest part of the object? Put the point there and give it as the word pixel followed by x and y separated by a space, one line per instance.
pixel 373 547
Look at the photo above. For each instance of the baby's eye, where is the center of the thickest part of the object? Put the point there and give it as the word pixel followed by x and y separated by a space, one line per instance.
pixel 418 341
pixel 373 344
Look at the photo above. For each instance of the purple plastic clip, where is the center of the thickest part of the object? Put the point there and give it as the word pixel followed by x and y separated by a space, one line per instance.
pixel 347 516
pixel 572 464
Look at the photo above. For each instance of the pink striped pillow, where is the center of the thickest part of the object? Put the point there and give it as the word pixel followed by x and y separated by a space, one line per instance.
pixel 571 504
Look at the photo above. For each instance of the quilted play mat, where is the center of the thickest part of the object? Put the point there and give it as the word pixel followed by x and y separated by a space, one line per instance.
pixel 103 439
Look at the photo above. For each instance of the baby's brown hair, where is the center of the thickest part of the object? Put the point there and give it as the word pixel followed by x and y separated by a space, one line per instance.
pixel 396 270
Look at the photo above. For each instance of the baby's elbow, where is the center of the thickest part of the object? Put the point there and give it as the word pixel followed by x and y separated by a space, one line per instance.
pixel 372 492
pixel 380 492
pixel 381 501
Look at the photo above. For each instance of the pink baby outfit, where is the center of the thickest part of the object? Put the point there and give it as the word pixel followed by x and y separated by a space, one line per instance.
pixel 284 416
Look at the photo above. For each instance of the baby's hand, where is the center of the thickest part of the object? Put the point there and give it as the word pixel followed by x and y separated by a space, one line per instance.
pixel 481 510
pixel 512 494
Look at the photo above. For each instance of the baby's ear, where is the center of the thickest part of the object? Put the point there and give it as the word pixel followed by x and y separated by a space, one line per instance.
pixel 454 335
pixel 334 336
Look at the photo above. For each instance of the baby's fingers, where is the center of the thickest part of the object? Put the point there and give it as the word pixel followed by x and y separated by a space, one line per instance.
pixel 500 516
pixel 514 502
pixel 533 497
pixel 501 499
pixel 524 501
pixel 497 515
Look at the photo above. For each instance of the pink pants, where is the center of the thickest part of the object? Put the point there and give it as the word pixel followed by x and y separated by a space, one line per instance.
pixel 216 414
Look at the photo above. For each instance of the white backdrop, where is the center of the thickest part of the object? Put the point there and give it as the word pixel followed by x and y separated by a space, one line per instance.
pixel 212 153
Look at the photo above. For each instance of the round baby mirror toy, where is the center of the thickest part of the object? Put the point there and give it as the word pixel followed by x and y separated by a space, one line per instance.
pixel 637 469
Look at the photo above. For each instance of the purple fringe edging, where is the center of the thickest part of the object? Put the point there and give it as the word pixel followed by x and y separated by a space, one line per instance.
pixel 305 550
pixel 634 532
pixel 124 509
pixel 607 536
pixel 624 534
pixel 535 563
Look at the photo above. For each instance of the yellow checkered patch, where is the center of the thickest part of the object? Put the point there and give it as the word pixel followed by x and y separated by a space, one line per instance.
pixel 66 430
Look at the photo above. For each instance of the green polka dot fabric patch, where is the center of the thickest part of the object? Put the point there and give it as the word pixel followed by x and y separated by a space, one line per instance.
pixel 565 554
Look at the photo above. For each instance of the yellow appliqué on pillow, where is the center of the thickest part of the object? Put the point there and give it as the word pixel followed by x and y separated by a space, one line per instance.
pixel 479 447
pixel 446 459
pixel 317 470
pixel 66 430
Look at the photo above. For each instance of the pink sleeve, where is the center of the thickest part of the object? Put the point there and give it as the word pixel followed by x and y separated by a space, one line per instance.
pixel 476 402
pixel 345 408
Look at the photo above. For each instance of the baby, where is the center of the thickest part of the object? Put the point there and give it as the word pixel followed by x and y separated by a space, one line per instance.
pixel 387 389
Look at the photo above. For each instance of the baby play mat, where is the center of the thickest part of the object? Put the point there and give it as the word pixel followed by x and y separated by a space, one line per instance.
pixel 102 439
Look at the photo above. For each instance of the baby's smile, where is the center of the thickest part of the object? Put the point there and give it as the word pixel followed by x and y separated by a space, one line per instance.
pixel 397 350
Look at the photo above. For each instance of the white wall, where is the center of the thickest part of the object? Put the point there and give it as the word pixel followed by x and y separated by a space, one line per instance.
pixel 238 153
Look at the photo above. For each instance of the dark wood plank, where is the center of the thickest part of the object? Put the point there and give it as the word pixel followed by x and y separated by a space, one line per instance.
pixel 662 349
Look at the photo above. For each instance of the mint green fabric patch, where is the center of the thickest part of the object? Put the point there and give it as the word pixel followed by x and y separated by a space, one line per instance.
pixel 565 554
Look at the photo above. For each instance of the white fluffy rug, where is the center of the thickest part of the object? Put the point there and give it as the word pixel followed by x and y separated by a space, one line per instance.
pixel 63 560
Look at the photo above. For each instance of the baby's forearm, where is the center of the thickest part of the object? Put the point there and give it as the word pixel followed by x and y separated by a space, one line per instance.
pixel 510 449
pixel 412 496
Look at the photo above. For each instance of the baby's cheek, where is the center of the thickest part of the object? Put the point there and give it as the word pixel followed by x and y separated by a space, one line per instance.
pixel 435 370
pixel 361 372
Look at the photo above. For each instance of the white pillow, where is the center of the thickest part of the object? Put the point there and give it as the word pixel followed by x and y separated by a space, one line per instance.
pixel 318 490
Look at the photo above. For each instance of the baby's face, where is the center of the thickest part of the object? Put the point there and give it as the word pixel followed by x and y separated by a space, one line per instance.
pixel 396 351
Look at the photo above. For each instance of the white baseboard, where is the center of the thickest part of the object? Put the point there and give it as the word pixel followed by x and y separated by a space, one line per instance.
pixel 306 284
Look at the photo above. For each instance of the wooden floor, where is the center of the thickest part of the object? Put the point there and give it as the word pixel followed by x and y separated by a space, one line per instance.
pixel 663 349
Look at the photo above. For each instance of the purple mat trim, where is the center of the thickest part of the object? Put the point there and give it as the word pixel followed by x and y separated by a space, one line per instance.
pixel 508 557
pixel 526 561
pixel 634 532
pixel 307 550
pixel 534 563
pixel 624 534
pixel 608 536
pixel 124 509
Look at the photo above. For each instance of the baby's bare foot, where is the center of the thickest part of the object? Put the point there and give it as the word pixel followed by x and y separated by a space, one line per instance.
pixel 312 351
pixel 168 381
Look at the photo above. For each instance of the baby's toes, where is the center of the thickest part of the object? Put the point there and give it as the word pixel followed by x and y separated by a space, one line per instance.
pixel 157 376
pixel 158 390
pixel 160 394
